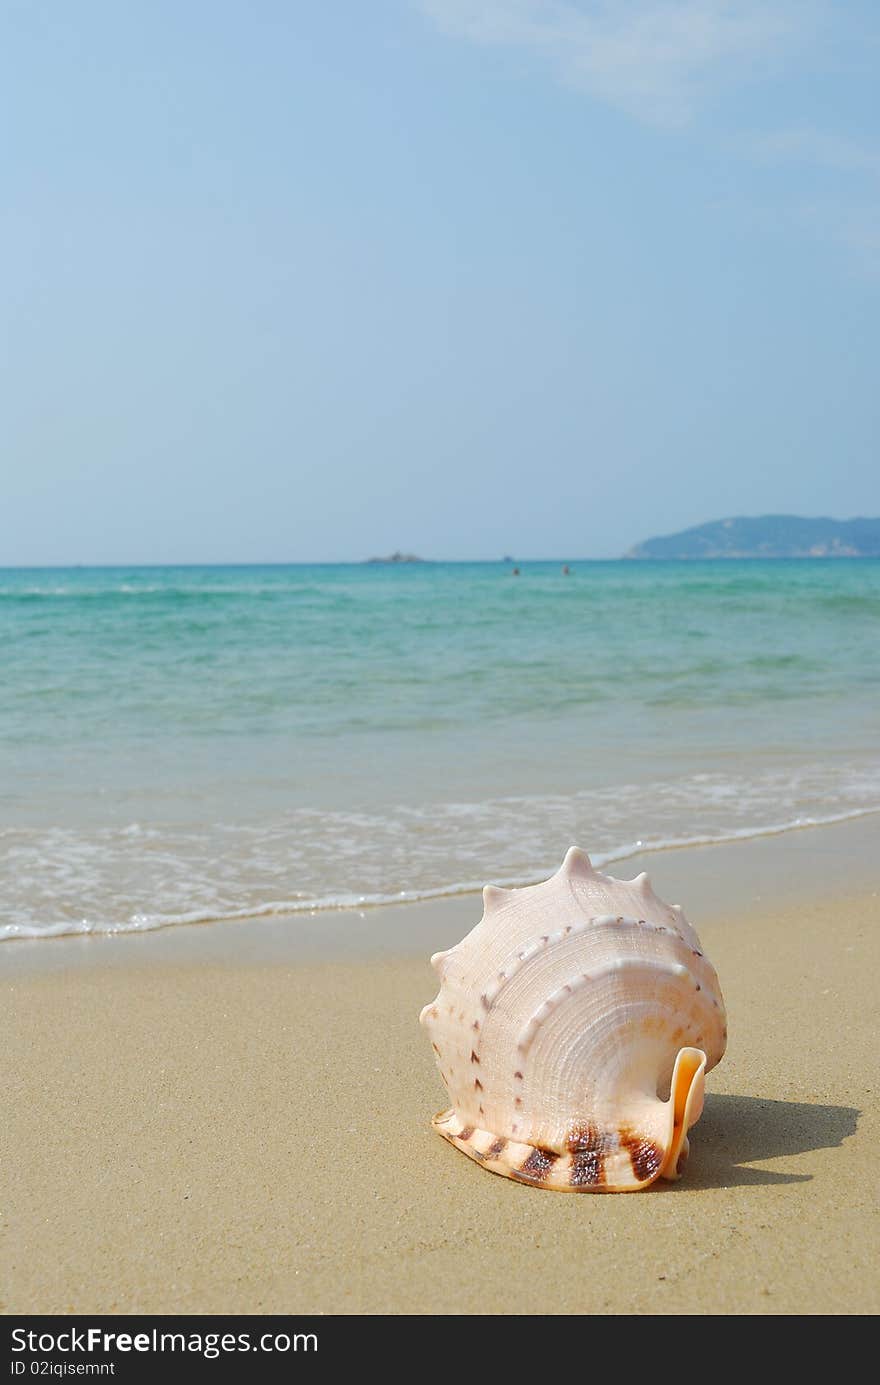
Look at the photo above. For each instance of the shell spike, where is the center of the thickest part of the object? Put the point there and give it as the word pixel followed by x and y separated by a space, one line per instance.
pixel 439 959
pixel 493 896
pixel 643 884
pixel 577 862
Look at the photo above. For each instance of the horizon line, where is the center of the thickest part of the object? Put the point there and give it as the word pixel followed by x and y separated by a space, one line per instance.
pixel 432 562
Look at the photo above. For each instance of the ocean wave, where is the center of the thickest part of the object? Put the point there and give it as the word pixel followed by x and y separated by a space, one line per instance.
pixel 144 923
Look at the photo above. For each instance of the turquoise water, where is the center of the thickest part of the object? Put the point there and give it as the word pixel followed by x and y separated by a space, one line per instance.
pixel 204 742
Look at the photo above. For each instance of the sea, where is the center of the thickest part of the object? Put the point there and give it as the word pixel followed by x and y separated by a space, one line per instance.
pixel 187 744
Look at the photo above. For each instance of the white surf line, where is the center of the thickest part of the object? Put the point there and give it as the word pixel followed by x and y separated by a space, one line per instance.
pixel 146 923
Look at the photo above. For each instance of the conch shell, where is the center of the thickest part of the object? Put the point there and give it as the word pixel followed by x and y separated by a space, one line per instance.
pixel 573 1029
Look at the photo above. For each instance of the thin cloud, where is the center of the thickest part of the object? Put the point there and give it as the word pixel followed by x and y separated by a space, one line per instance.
pixel 651 58
pixel 856 229
pixel 852 219
pixel 862 238
pixel 814 147
pixel 659 60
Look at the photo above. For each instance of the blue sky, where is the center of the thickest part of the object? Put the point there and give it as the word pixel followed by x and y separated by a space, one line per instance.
pixel 297 282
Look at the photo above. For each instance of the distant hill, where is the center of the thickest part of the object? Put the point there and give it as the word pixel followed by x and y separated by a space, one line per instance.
pixel 768 536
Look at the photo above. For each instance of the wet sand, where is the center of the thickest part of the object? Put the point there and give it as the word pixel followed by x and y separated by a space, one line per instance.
pixel 235 1118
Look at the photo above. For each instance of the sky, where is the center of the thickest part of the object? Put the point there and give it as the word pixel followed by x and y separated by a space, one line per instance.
pixel 303 282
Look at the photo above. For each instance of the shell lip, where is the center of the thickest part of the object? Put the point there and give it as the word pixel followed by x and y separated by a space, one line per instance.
pixel 685 1107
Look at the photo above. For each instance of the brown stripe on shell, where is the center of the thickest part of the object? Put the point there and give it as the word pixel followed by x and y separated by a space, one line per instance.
pixel 495 1149
pixel 474 1056
pixel 465 1132
pixel 645 1156
pixel 588 1147
pixel 583 1136
pixel 587 1169
pixel 537 1167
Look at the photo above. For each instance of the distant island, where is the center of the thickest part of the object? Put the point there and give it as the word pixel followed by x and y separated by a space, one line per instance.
pixel 397 558
pixel 768 536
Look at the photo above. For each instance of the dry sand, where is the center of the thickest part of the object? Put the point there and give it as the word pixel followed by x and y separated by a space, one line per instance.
pixel 236 1119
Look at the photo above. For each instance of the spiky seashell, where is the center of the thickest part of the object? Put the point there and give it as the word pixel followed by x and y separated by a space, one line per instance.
pixel 573 1029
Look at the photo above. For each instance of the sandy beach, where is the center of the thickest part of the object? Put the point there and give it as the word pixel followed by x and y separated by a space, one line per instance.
pixel 235 1118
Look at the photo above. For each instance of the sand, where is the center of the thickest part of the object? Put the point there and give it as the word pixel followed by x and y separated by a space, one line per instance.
pixel 236 1119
